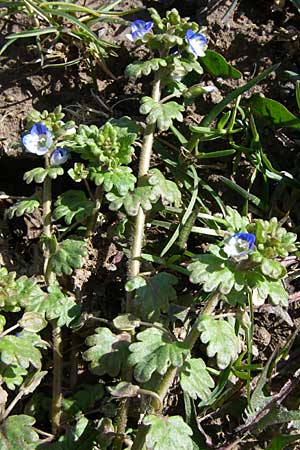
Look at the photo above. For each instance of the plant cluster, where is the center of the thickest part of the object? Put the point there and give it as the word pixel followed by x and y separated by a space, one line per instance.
pixel 188 323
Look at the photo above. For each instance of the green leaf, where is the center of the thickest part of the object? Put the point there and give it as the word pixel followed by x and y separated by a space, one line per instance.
pixel 107 148
pixel 126 322
pixel 221 339
pixel 2 323
pixel 38 175
pixel 137 69
pixel 22 207
pixel 195 379
pixel 164 189
pixel 120 179
pixel 273 289
pixel 168 433
pixel 78 172
pixel 272 112
pixel 21 350
pixel 272 268
pixel 217 66
pixel 214 273
pixel 16 433
pixel 68 256
pixel 32 321
pixel 54 171
pixel 12 376
pixel 108 352
pixel 154 353
pixel 162 114
pixel 218 108
pixel 140 197
pixel 235 221
pixel 143 196
pixel 56 306
pixel 154 297
pixel 73 205
pixel 83 399
pixel 283 440
pixel 20 292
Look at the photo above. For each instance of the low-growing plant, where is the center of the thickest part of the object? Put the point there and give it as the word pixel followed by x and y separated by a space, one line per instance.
pixel 187 328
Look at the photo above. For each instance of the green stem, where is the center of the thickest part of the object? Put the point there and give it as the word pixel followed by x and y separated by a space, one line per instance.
pixel 146 152
pixel 250 344
pixel 47 202
pixel 56 331
pixel 136 247
pixel 168 379
pixel 93 219
pixel 57 379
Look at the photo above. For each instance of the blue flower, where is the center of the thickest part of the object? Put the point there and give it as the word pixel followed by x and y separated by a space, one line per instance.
pixel 59 156
pixel 239 244
pixel 138 29
pixel 38 140
pixel 197 42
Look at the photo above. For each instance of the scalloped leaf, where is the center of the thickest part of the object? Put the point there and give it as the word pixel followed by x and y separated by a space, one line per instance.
pixel 22 207
pixel 21 350
pixel 67 256
pixel 214 273
pixel 145 196
pixel 12 376
pixel 140 197
pixel 120 179
pixel 221 339
pixel 162 114
pixel 167 433
pixel 57 306
pixel 272 268
pixel 38 175
pixel 164 189
pixel 195 379
pixel 154 297
pixel 140 68
pixel 17 293
pixel 54 171
pixel 32 321
pixel 108 352
pixel 155 353
pixel 72 205
pixel 78 172
pixel 274 290
pixel 17 433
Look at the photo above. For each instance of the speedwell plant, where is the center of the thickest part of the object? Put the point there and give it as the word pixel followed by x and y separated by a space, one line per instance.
pixel 141 355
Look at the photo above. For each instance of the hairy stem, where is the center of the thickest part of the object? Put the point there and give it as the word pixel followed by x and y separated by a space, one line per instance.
pixel 93 219
pixel 168 379
pixel 47 202
pixel 137 244
pixel 138 234
pixel 56 331
pixel 57 378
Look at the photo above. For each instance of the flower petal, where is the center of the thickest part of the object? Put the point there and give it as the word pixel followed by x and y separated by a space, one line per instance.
pixel 138 29
pixel 59 156
pixel 239 244
pixel 197 42
pixel 38 140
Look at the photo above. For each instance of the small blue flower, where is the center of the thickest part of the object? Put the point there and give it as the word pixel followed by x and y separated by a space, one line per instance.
pixel 197 42
pixel 239 244
pixel 38 140
pixel 138 29
pixel 59 156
